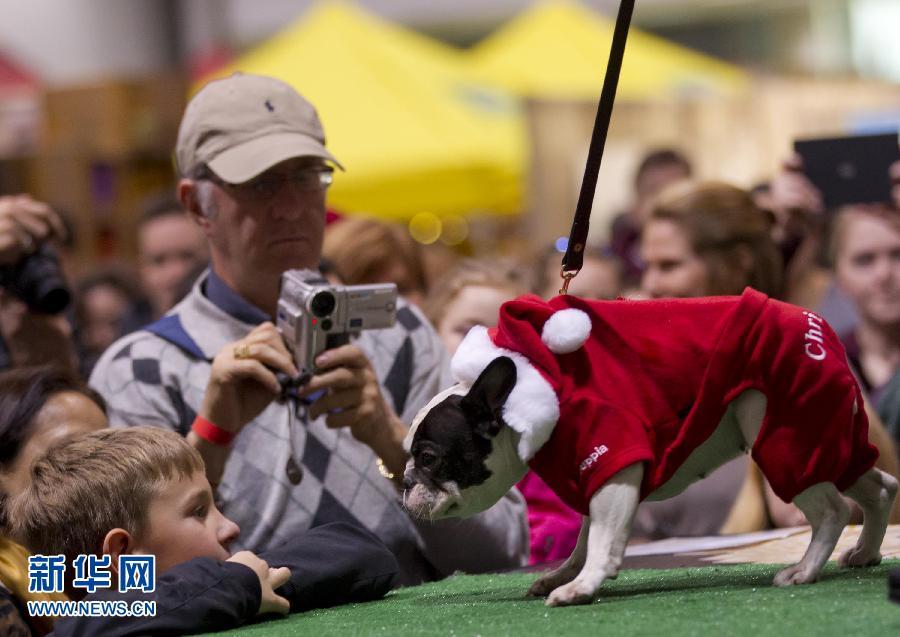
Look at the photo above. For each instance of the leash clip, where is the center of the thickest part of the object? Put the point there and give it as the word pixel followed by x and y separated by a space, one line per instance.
pixel 566 275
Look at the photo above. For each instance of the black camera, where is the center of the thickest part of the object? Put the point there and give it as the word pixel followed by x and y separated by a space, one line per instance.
pixel 38 281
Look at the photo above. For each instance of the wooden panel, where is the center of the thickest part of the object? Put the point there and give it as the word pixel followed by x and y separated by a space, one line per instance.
pixel 114 118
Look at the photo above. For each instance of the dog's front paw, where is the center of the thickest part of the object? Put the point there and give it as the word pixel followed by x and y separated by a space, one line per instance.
pixel 578 591
pixel 858 556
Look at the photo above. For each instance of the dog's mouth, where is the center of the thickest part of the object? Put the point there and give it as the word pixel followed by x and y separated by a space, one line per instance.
pixel 443 506
pixel 432 503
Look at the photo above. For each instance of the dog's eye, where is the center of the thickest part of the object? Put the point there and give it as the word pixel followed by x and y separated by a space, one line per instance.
pixel 427 459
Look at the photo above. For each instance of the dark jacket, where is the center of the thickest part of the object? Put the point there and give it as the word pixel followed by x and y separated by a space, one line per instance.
pixel 331 564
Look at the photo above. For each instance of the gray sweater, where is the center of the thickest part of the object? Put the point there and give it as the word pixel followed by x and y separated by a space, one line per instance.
pixel 148 380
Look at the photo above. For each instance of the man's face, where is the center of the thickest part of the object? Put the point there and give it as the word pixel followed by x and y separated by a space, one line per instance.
pixel 170 248
pixel 272 223
pixel 183 523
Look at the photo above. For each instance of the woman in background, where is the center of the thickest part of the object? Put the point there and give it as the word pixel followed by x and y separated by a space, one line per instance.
pixel 708 239
pixel 866 251
pixel 38 406
pixel 865 248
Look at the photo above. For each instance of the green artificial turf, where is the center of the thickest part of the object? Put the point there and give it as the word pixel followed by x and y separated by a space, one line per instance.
pixel 712 600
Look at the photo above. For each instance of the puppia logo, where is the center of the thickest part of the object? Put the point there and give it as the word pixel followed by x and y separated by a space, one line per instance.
pixel 813 338
pixel 591 459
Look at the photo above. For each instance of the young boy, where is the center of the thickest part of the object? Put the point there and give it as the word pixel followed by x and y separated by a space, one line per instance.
pixel 143 490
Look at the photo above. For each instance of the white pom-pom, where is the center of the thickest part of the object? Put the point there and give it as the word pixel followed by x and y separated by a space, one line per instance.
pixel 566 330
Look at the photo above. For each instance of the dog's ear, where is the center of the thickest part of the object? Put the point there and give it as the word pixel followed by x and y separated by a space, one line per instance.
pixel 484 402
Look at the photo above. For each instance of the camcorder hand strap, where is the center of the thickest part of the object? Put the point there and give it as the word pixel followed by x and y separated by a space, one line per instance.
pixel 573 259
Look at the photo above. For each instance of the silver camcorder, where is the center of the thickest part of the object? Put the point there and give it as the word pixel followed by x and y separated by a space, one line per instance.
pixel 314 315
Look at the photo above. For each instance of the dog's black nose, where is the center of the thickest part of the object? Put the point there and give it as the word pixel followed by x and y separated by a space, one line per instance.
pixel 408 483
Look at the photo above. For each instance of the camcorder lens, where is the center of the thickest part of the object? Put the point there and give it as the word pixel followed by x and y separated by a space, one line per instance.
pixel 322 304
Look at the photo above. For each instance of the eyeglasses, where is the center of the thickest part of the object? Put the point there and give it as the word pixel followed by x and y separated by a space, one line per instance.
pixel 267 185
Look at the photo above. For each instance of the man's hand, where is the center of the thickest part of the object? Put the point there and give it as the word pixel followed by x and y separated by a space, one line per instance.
pixel 793 193
pixel 352 395
pixel 353 399
pixel 25 224
pixel 269 579
pixel 241 382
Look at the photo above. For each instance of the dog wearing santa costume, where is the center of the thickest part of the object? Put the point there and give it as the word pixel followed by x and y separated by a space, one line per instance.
pixel 613 402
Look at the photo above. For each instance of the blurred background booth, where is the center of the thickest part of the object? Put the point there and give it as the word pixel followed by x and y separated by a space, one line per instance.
pixel 480 138
pixel 553 56
pixel 412 127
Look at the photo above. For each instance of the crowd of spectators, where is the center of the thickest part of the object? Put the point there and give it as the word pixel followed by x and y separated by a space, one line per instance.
pixel 186 343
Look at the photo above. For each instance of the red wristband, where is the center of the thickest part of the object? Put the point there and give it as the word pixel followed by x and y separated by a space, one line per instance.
pixel 210 433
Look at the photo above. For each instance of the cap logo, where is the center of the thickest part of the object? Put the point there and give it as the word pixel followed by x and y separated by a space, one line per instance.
pixel 269 106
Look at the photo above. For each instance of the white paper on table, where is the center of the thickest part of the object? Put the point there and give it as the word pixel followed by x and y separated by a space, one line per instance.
pixel 681 545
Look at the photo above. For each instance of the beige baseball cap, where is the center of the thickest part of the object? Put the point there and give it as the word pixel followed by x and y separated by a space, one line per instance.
pixel 242 125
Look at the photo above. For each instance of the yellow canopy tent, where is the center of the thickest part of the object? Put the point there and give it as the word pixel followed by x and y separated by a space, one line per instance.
pixel 559 49
pixel 413 131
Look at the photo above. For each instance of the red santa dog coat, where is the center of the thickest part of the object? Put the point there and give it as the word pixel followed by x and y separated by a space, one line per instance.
pixel 604 384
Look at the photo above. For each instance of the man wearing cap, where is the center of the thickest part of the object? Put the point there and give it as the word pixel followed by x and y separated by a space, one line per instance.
pixel 254 171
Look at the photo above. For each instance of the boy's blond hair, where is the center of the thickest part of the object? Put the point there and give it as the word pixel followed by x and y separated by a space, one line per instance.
pixel 88 485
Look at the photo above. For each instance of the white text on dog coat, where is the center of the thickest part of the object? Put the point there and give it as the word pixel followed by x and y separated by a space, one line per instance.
pixel 813 337
pixel 591 459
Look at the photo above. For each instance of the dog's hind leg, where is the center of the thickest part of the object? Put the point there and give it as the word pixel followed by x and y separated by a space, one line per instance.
pixel 874 492
pixel 568 570
pixel 822 505
pixel 828 514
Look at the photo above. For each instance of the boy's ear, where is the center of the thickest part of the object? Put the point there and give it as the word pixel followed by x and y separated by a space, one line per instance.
pixel 484 402
pixel 117 542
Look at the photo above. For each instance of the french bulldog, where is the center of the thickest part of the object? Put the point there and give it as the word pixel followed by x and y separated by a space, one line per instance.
pixel 612 402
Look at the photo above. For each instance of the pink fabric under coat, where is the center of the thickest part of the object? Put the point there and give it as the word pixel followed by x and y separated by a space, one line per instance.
pixel 554 526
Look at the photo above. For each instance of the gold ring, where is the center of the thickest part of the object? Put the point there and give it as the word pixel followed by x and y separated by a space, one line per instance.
pixel 241 351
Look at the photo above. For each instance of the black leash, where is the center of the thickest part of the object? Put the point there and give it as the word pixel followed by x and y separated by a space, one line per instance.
pixel 573 259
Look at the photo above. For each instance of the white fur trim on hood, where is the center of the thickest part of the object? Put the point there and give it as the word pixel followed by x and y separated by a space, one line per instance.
pixel 566 330
pixel 532 407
